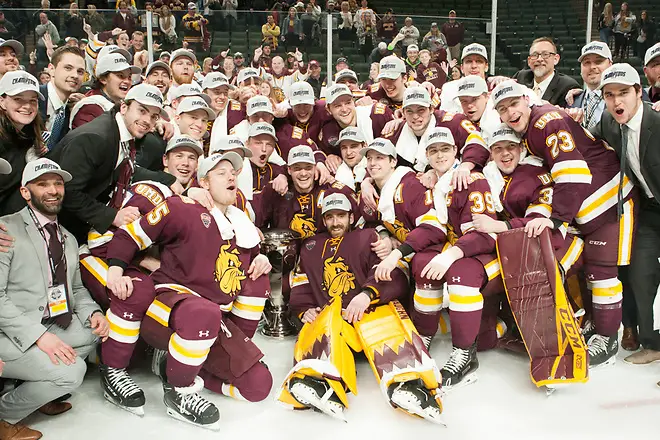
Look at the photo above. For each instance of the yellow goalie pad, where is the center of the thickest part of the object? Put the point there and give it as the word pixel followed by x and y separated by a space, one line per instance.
pixel 395 350
pixel 323 351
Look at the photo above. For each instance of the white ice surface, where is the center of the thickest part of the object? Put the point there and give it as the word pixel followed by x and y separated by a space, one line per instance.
pixel 618 402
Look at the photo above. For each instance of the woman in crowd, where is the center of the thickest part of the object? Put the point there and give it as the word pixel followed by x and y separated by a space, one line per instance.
pixel 456 73
pixel 229 69
pixel 374 70
pixel 290 29
pixel 645 34
pixel 167 24
pixel 346 30
pixel 74 23
pixel 605 23
pixel 624 23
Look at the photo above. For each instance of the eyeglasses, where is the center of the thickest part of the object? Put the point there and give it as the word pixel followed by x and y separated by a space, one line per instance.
pixel 544 55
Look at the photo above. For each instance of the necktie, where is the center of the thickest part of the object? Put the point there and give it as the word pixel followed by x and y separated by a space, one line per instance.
pixel 58 125
pixel 592 103
pixel 126 169
pixel 622 173
pixel 537 90
pixel 57 253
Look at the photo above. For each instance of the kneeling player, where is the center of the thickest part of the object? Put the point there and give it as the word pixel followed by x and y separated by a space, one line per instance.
pixel 335 272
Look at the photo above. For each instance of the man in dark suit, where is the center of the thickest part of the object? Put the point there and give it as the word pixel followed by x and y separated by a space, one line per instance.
pixel 632 128
pixel 123 19
pixel 101 156
pixel 541 76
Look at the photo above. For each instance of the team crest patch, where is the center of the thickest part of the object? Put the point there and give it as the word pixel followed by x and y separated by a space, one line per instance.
pixel 368 210
pixel 206 219
pixel 310 244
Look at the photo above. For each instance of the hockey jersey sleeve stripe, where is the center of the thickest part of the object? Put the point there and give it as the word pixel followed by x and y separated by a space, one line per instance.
pixel 602 199
pixel 96 267
pixel 467 227
pixel 492 269
pixel 474 139
pixel 94 239
pixel 572 254
pixel 430 218
pixel 541 209
pixel 571 171
pixel 138 235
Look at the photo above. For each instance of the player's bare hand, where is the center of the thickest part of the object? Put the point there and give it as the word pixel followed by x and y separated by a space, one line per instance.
pixel 310 315
pixel 429 87
pixel 202 196
pixel 6 240
pixel 177 188
pixel 571 94
pixel 116 31
pixel 487 225
pixel 382 247
pixel 385 267
pixel 494 81
pixel 428 179
pixel 165 129
pixel 322 174
pixel 260 266
pixel 356 308
pixel 365 101
pixel 368 194
pixel 577 114
pixel 2 366
pixel 279 110
pixel 100 326
pixel 656 106
pixel 461 176
pixel 332 162
pixel 391 126
pixel 56 349
pixel 280 184
pixel 120 285
pixel 536 226
pixel 75 97
pixel 126 215
pixel 150 263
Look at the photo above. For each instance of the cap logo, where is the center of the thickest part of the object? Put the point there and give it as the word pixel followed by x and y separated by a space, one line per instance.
pixel 154 97
pixel 502 132
pixel 259 104
pixel 475 49
pixel 388 66
pixel 24 79
pixel 235 141
pixel 301 93
pixel 198 103
pixel 337 90
pixel 614 74
pixel 46 166
pixel 503 91
pixel 466 86
pixel 655 51
pixel 301 154
pixel 334 202
pixel 592 47
pixel 440 134
pixel 121 60
pixel 416 96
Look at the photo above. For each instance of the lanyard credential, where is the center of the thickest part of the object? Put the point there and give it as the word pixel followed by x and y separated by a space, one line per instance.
pixel 51 261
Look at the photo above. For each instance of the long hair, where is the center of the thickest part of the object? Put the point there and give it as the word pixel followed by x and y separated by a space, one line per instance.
pixel 31 132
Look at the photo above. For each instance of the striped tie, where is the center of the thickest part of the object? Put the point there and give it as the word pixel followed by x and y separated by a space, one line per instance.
pixel 592 104
pixel 622 173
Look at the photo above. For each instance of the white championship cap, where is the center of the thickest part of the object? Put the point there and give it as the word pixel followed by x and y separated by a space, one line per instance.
pixel 440 135
pixel 228 143
pixel 39 167
pixel 416 96
pixel 214 80
pixel 192 89
pixel 471 85
pixel 246 74
pixel 620 73
pixel 17 46
pixel 383 146
pixel 208 163
pixel 337 201
pixel 652 53
pixel 505 90
pixel 596 48
pixel 18 81
pixel 148 95
pixel 192 103
pixel 258 104
pixel 351 134
pixel 262 128
pixel 114 62
pixel 158 65
pixel 113 48
pixel 301 92
pixel 183 53
pixel 474 49
pixel 346 73
pixel 502 133
pixel 184 141
pixel 301 154
pixel 412 47
pixel 335 91
pixel 5 167
pixel 391 67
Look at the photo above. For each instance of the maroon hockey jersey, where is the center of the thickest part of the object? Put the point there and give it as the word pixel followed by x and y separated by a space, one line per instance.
pixel 527 194
pixel 433 74
pixel 311 128
pixel 289 136
pixel 261 176
pixel 377 93
pixel 380 115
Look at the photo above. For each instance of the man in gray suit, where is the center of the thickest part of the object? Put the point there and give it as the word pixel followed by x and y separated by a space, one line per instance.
pixel 48 321
pixel 632 128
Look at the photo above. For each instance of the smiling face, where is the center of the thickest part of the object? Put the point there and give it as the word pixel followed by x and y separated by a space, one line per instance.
pixel 160 78
pixel 542 59
pixel 302 176
pixel 343 111
pixel 622 101
pixel 515 113
pixel 303 112
pixel 21 109
pixel 651 70
pixel 441 157
pixel 506 155
pixel 393 87
pixel 337 222
pixel 474 106
pixel 219 98
pixel 194 123
pixel 8 60
pixel 417 117
pixel 591 69
pixel 262 147
pixel 380 166
pixel 183 70
pixel 265 88
pixel 220 182
pixel 261 117
pixel 139 119
pixel 474 65
pixel 123 41
pixel 181 163
pixel 117 84
pixel 350 152
pixel 138 41
pixel 45 194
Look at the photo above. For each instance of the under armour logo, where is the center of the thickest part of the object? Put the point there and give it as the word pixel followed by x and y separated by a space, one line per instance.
pixel 128 315
pixel 204 334
pixel 428 286
pixel 455 279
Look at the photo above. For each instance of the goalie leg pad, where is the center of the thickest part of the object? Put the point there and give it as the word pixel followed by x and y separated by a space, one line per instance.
pixel 541 308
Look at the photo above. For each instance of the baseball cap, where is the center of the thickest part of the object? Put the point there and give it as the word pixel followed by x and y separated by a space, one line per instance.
pixel 346 73
pixel 39 167
pixel 113 48
pixel 314 63
pixel 301 154
pixel 503 133
pixel 597 48
pixel 620 73
pixel 391 67
pixel 114 62
pixel 416 96
pixel 246 74
pixel 183 53
pixel 474 49
pixel 262 128
pixel 192 5
pixel 351 134
pixel 192 103
pixel 213 80
pixel 5 167
pixel 383 146
pixel 452 12
pixel 16 45
pixel 257 104
pixel 337 201
pixel 440 135
pixel 506 89
pixel 208 163
pixel 229 142
pixel 434 24
pixel 341 60
pixel 471 85
pixel 238 55
pixel 412 47
pixel 13 83
pixel 192 89
pixel 158 65
pixel 148 95
pixel 164 54
pixel 335 91
pixel 184 141
pixel 652 53
pixel 301 92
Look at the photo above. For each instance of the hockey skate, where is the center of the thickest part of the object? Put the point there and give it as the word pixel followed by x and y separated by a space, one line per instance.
pixel 460 369
pixel 158 362
pixel 427 341
pixel 414 398
pixel 185 404
pixel 318 395
pixel 120 390
pixel 602 350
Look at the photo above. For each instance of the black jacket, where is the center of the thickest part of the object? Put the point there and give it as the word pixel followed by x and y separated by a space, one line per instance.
pixel 90 154
pixel 43 111
pixel 13 150
pixel 555 94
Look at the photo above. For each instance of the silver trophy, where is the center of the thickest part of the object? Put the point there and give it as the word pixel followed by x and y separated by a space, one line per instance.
pixel 279 246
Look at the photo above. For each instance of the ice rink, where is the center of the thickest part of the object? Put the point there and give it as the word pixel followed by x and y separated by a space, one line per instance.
pixel 618 402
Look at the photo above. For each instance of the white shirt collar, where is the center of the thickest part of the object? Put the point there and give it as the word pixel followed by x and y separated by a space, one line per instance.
pixel 124 134
pixel 596 92
pixel 635 123
pixel 54 98
pixel 543 85
pixel 43 220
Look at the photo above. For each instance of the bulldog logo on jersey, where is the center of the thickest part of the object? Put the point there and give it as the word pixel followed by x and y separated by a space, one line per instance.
pixel 228 272
pixel 337 279
pixel 303 225
pixel 398 229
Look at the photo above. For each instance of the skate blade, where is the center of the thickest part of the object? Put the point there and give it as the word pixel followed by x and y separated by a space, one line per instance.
pixel 410 408
pixel 311 400
pixel 467 380
pixel 215 426
pixel 138 410
pixel 608 363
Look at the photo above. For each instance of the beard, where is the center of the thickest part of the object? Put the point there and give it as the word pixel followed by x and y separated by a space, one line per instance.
pixel 180 79
pixel 38 205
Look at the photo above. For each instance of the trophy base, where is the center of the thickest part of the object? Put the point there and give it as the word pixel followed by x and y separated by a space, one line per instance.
pixel 276 322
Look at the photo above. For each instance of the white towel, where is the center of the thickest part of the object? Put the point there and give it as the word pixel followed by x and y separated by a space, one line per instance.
pixel 244 180
pixel 412 150
pixel 496 183
pixel 219 128
pixel 440 191
pixel 236 223
pixel 363 120
pixel 352 178
pixel 386 200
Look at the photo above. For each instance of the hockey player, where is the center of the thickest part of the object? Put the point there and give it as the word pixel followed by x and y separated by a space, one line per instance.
pixel 182 64
pixel 159 74
pixel 334 293
pixel 228 112
pixel 258 171
pixel 210 290
pixel 192 117
pixel 306 113
pixel 391 83
pixel 353 167
pixel 586 177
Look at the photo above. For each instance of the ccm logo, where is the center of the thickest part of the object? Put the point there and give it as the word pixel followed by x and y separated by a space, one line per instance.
pixel 597 243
